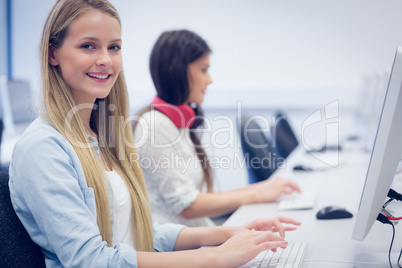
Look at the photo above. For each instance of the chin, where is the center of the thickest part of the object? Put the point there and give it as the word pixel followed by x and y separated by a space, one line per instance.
pixel 199 102
pixel 103 94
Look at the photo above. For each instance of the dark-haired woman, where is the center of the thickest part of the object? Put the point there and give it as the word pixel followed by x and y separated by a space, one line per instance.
pixel 175 166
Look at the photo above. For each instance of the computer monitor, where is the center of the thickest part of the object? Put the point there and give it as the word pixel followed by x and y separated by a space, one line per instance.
pixel 374 101
pixel 16 105
pixel 385 155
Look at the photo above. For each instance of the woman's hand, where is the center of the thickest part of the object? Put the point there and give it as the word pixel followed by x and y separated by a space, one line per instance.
pixel 245 246
pixel 272 224
pixel 250 239
pixel 271 189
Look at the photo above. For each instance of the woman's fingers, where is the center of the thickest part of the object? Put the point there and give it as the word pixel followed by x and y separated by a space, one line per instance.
pixel 247 244
pixel 288 220
pixel 294 186
pixel 278 227
pixel 271 241
pixel 273 224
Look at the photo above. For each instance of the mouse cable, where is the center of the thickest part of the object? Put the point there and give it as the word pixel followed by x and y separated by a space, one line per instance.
pixel 384 219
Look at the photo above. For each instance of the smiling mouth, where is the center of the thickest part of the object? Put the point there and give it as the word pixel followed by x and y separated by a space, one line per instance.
pixel 99 76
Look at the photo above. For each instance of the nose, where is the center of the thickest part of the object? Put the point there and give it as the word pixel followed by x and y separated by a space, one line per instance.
pixel 104 58
pixel 209 79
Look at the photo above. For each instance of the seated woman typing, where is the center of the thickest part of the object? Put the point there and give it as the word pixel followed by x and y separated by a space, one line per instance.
pixel 73 185
pixel 175 166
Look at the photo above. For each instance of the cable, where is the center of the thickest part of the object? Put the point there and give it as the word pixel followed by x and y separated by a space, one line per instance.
pixel 394 218
pixel 399 258
pixel 384 219
pixel 390 219
pixel 390 247
pixel 386 203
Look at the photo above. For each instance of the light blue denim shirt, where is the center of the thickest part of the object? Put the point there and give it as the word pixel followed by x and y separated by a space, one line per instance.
pixel 54 203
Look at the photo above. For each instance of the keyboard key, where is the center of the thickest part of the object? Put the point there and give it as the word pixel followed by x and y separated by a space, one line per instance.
pixel 291 257
pixel 296 201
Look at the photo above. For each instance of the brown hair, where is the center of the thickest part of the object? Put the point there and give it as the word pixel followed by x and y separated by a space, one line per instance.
pixel 169 61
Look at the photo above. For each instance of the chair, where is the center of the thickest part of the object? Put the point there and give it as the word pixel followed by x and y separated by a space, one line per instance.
pixel 3 168
pixel 1 133
pixel 258 150
pixel 284 138
pixel 16 247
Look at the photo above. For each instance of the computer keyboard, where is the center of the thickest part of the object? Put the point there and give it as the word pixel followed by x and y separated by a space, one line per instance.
pixel 296 201
pixel 290 257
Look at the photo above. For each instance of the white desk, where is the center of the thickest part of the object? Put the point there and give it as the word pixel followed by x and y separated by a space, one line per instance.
pixel 330 243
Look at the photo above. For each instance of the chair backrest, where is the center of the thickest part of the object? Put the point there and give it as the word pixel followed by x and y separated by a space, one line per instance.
pixel 16 246
pixel 284 138
pixel 258 150
pixel 1 128
pixel 1 133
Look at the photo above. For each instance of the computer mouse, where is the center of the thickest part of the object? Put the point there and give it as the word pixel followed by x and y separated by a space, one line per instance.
pixel 331 148
pixel 325 148
pixel 353 138
pixel 302 168
pixel 333 212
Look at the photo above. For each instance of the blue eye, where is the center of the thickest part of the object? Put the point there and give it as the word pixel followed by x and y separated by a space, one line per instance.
pixel 87 46
pixel 115 48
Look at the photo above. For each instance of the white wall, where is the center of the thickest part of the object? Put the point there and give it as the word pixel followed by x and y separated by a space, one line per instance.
pixel 28 18
pixel 279 53
pixel 3 38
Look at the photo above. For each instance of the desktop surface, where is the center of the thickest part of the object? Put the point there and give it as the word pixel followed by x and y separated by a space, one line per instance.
pixel 329 241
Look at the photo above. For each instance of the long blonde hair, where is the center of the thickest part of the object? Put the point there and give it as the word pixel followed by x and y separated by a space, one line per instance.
pixel 58 105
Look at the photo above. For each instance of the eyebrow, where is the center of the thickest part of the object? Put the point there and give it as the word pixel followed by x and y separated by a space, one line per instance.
pixel 97 39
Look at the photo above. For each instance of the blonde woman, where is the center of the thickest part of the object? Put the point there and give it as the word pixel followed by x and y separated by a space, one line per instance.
pixel 73 181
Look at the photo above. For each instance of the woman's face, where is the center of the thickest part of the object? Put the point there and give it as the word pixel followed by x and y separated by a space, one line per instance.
pixel 199 79
pixel 90 58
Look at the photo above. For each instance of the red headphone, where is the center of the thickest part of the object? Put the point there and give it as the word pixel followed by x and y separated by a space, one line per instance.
pixel 183 116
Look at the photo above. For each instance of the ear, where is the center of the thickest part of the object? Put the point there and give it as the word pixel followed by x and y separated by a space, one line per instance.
pixel 52 54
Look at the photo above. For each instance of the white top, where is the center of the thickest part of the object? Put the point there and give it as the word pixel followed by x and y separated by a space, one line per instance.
pixel 172 170
pixel 123 225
